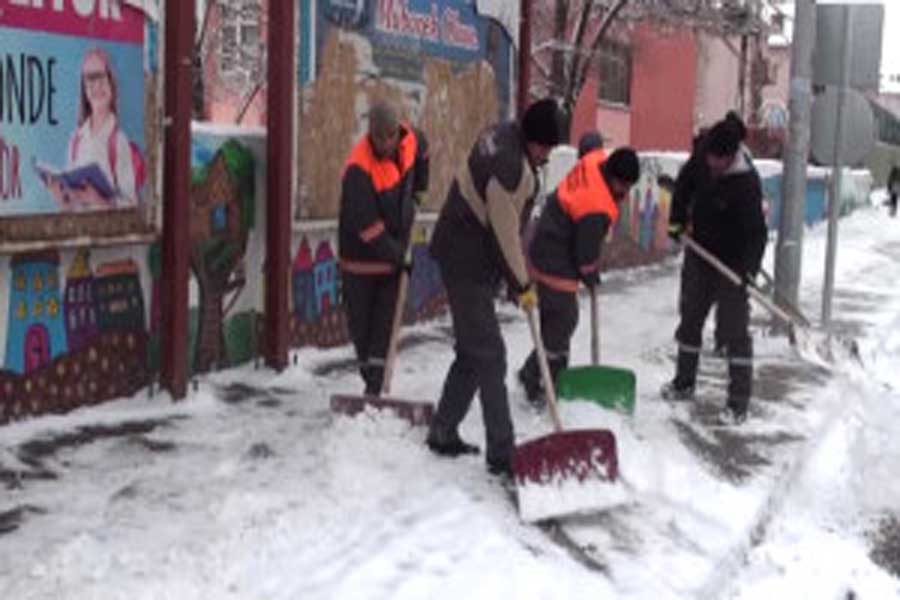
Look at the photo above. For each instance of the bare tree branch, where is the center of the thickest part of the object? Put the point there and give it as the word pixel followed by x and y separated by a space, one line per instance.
pixel 577 58
pixel 576 83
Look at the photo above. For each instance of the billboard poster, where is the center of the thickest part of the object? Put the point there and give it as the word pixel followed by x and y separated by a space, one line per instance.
pixel 443 64
pixel 71 108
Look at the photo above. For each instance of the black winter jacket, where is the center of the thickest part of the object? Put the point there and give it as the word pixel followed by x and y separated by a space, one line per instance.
pixel 477 237
pixel 725 212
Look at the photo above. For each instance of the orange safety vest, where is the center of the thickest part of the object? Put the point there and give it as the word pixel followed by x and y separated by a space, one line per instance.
pixel 386 174
pixel 583 192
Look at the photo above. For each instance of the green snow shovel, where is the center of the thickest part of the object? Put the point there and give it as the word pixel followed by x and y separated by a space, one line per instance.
pixel 610 387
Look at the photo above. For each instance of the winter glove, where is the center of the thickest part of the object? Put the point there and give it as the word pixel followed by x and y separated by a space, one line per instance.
pixel 420 198
pixel 748 279
pixel 406 263
pixel 675 231
pixel 528 299
pixel 592 279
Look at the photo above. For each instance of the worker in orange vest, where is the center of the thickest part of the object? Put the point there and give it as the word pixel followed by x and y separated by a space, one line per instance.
pixel 385 176
pixel 565 251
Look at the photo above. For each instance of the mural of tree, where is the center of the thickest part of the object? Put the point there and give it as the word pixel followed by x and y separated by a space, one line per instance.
pixel 223 208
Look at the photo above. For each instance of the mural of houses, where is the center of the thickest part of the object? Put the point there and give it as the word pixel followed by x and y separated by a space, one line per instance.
pixel 303 282
pixel 36 332
pixel 118 297
pixel 326 278
pixel 425 282
pixel 80 314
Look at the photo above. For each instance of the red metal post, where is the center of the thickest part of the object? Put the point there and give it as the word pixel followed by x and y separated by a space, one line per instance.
pixel 179 32
pixel 524 55
pixel 280 111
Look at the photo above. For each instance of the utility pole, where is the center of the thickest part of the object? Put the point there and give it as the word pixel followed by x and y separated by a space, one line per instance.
pixel 789 249
pixel 837 167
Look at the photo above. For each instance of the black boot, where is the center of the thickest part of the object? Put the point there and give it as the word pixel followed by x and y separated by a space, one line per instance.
pixel 534 391
pixel 500 467
pixel 449 445
pixel 735 411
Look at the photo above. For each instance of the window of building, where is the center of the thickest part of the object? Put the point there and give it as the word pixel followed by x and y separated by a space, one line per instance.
pixel 778 23
pixel 239 36
pixel 615 73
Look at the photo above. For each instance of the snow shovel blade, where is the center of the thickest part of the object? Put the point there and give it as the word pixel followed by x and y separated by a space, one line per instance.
pixel 566 473
pixel 416 412
pixel 610 387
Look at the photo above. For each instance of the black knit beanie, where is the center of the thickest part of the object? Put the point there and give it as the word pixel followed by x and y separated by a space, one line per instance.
pixel 623 164
pixel 726 136
pixel 540 123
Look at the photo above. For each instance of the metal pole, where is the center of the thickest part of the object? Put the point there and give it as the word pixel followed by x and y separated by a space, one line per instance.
pixel 176 237
pixel 834 200
pixel 789 249
pixel 280 110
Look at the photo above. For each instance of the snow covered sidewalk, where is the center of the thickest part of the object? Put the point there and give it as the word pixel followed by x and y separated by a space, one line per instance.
pixel 253 489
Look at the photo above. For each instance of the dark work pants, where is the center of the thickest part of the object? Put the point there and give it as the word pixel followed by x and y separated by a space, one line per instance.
pixel 370 301
pixel 701 287
pixel 480 365
pixel 559 318
pixel 893 204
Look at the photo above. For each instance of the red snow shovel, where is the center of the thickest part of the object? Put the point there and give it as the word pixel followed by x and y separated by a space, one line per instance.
pixel 566 472
pixel 416 412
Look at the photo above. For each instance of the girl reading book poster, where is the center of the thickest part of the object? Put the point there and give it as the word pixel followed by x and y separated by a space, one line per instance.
pixel 101 164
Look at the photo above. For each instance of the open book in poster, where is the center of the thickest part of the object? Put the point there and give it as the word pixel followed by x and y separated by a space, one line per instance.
pixel 79 177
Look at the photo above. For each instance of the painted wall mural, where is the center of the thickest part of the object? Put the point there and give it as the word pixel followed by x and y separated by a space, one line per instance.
pixel 37 331
pixel 640 235
pixel 317 316
pixel 224 331
pixel 75 333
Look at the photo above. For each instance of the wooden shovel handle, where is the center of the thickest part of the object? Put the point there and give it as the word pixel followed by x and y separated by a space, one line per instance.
pixel 549 388
pixel 391 358
pixel 736 280
pixel 595 333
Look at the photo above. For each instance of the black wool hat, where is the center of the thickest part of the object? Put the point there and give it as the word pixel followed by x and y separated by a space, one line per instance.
pixel 623 164
pixel 540 123
pixel 726 136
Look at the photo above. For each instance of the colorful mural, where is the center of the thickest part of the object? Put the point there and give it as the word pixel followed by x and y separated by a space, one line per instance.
pixel 75 341
pixel 640 235
pixel 318 317
pixel 223 213
pixel 37 331
pixel 224 317
pixel 80 313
